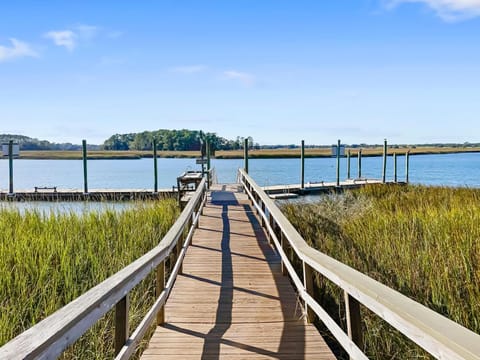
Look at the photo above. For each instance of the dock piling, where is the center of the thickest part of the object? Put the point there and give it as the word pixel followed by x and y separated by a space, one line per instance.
pixel 348 164
pixel 407 160
pixel 302 166
pixel 10 166
pixel 338 163
pixel 359 163
pixel 208 163
pixel 384 169
pixel 394 167
pixel 155 168
pixel 245 154
pixel 84 153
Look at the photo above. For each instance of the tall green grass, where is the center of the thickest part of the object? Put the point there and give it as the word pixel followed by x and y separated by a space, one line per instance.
pixel 49 259
pixel 421 241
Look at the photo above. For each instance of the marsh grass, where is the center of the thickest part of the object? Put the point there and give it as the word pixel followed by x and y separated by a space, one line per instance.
pixel 421 241
pixel 49 259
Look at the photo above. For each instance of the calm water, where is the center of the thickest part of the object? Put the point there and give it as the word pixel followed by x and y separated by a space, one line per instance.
pixel 450 170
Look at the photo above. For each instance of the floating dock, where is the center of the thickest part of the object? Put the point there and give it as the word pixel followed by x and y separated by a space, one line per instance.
pixel 318 187
pixel 93 195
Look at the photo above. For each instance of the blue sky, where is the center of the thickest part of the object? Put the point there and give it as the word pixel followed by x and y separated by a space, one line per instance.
pixel 279 71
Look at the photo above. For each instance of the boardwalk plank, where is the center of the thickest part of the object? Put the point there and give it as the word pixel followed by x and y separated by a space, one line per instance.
pixel 231 301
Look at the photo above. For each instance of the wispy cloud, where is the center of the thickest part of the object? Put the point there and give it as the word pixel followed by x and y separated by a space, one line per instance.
pixel 65 38
pixel 448 10
pixel 18 49
pixel 242 77
pixel 189 69
pixel 69 38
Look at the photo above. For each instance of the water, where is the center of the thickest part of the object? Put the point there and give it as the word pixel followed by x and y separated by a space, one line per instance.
pixel 77 207
pixel 449 170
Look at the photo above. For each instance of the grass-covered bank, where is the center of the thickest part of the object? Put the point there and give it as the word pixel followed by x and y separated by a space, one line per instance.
pixel 280 153
pixel 421 241
pixel 47 261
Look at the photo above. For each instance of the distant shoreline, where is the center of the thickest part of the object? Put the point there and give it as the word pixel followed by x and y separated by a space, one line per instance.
pixel 238 154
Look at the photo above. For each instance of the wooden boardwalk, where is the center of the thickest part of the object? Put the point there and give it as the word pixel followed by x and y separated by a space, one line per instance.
pixel 232 301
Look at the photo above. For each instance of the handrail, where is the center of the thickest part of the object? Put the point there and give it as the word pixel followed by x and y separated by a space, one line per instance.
pixel 441 337
pixel 50 337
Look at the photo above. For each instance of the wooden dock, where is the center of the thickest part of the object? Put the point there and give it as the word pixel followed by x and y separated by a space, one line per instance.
pixel 322 186
pixel 92 195
pixel 232 301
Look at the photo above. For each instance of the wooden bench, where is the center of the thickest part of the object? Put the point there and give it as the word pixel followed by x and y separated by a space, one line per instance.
pixel 54 188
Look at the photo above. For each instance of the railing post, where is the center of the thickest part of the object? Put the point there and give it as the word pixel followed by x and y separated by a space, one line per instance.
pixel 263 211
pixel 121 323
pixel 180 242
pixel 272 226
pixel 245 154
pixel 348 164
pixel 284 245
pixel 359 163
pixel 302 165
pixel 407 155
pixel 384 169
pixel 354 321
pixel 308 284
pixel 10 166
pixel 84 155
pixel 394 167
pixel 155 167
pixel 159 288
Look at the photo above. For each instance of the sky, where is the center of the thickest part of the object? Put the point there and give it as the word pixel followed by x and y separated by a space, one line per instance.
pixel 276 70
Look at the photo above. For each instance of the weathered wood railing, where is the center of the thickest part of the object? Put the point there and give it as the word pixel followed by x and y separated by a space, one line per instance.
pixel 438 335
pixel 50 337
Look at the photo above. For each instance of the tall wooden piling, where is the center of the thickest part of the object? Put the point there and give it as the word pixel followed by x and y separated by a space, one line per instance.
pixel 84 153
pixel 407 159
pixel 348 164
pixel 395 167
pixel 155 167
pixel 384 169
pixel 302 164
pixel 245 154
pixel 359 163
pixel 208 163
pixel 10 166
pixel 338 163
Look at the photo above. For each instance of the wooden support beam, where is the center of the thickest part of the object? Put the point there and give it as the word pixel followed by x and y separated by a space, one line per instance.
pixel 121 323
pixel 160 287
pixel 284 244
pixel 354 320
pixel 308 284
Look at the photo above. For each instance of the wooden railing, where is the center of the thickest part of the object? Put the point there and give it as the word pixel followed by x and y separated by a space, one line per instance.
pixel 50 337
pixel 441 337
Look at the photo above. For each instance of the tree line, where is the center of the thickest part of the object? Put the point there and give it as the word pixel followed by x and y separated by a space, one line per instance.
pixel 31 144
pixel 173 140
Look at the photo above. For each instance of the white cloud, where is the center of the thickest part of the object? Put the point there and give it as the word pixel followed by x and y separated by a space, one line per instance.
pixel 17 50
pixel 189 69
pixel 448 10
pixel 66 38
pixel 244 78
pixel 69 38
